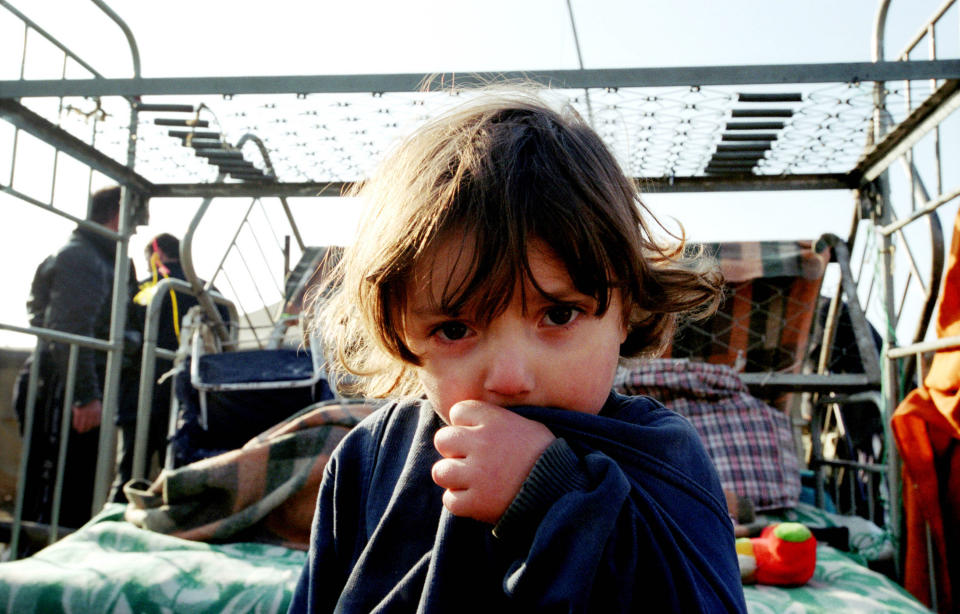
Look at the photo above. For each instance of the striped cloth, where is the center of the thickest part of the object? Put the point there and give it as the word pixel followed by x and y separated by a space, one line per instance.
pixel 265 491
pixel 764 323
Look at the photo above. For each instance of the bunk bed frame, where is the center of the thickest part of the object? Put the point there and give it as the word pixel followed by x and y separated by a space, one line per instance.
pixel 745 128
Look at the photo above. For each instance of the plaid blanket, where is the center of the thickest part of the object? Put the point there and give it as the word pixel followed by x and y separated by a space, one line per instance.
pixel 265 491
pixel 749 441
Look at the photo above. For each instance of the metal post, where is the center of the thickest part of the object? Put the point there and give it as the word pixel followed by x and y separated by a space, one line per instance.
pixel 28 420
pixel 66 415
pixel 106 457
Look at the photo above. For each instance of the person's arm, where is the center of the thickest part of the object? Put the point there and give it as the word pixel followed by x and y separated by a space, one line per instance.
pixel 638 532
pixel 595 532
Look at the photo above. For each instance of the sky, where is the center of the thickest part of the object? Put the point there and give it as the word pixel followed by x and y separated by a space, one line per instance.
pixel 239 37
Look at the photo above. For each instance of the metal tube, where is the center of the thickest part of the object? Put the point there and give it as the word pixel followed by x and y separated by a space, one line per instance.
pixel 27 22
pixel 757 147
pixel 682 76
pixel 871 366
pixel 943 343
pixel 256 287
pixel 127 32
pixel 25 450
pixel 754 126
pixel 749 137
pixel 921 120
pixel 576 45
pixel 186 261
pixel 761 113
pixel 25 119
pixel 107 450
pixel 198 123
pixel 148 366
pixel 923 31
pixel 268 164
pixel 771 97
pixel 219 153
pixel 930 207
pixel 156 107
pixel 65 421
pixel 48 334
pixel 195 134
pixel 145 393
pixel 83 223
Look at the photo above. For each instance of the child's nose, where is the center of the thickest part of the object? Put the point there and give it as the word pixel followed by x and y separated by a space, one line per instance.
pixel 509 371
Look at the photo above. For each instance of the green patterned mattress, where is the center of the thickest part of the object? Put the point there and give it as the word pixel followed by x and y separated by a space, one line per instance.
pixel 110 566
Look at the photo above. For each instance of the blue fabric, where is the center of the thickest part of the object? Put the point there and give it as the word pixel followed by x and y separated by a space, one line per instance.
pixel 649 532
pixel 255 366
pixel 234 417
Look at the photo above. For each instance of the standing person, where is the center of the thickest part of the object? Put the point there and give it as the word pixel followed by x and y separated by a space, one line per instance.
pixel 504 265
pixel 162 254
pixel 71 292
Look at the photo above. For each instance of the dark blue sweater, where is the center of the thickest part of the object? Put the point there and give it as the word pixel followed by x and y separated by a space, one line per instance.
pixel 623 513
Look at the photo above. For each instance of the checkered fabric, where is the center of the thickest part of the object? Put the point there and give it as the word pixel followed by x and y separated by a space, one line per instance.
pixel 764 323
pixel 749 441
pixel 265 491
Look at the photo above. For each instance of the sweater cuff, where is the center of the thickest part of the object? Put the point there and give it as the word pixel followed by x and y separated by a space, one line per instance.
pixel 556 473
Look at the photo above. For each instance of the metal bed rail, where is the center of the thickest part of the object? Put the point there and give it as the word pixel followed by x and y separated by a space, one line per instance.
pixel 131 212
pixel 148 365
pixel 75 342
pixel 268 252
pixel 925 121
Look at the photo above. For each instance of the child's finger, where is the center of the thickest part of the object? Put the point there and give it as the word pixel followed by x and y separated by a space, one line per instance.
pixel 471 413
pixel 451 441
pixel 450 473
pixel 457 501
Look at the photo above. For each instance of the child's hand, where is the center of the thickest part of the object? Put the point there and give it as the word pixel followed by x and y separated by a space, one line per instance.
pixel 488 452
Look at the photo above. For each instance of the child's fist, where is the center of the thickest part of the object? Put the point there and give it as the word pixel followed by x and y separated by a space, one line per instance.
pixel 488 452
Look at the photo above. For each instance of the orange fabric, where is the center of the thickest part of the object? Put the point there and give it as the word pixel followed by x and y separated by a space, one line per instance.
pixel 926 427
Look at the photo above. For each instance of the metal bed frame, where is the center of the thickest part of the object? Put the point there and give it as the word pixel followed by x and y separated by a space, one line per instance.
pixel 735 159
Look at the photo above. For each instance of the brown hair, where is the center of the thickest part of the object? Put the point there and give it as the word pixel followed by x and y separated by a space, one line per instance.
pixel 104 204
pixel 500 171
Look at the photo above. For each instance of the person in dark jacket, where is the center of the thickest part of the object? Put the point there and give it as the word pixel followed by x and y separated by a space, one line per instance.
pixel 162 254
pixel 72 292
pixel 503 267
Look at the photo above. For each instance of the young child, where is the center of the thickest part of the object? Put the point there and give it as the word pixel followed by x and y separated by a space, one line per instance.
pixel 503 267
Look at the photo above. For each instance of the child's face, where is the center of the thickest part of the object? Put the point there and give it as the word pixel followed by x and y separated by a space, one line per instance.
pixel 552 354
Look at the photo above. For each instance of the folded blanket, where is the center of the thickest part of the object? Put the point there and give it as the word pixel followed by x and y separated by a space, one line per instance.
pixel 749 442
pixel 265 491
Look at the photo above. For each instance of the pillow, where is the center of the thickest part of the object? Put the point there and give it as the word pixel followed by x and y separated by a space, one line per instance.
pixel 749 441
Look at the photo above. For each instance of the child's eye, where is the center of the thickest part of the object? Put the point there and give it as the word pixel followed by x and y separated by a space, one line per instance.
pixel 452 331
pixel 561 315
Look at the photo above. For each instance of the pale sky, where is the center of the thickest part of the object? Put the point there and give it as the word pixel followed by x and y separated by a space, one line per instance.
pixel 239 37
